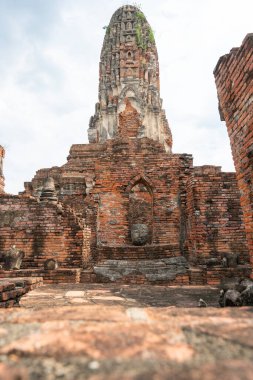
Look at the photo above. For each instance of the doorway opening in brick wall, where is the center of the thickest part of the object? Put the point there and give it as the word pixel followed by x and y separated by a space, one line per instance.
pixel 141 212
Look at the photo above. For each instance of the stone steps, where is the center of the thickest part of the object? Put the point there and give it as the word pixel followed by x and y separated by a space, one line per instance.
pixel 169 271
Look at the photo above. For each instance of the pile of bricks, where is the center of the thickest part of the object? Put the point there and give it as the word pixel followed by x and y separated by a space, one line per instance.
pixel 11 290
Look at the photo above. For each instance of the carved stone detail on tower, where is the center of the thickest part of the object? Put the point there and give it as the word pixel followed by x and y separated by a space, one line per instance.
pixel 129 69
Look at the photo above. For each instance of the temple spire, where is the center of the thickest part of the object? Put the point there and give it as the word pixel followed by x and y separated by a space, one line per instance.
pixel 129 69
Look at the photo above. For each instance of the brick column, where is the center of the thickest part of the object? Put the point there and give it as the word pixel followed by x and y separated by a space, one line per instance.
pixel 234 81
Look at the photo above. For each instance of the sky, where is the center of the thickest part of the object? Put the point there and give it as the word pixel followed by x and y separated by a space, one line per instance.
pixel 49 75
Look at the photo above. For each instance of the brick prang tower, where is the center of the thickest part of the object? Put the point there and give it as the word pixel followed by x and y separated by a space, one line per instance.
pixel 129 68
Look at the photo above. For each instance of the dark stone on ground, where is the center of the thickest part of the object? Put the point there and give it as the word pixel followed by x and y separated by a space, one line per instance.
pixel 50 264
pixel 247 296
pixel 232 298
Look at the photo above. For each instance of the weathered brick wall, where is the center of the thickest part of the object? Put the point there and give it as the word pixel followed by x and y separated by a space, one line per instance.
pixel 86 249
pixel 174 198
pixel 110 171
pixel 127 163
pixel 74 180
pixel 129 122
pixel 42 231
pixel 214 224
pixel 2 154
pixel 234 81
pixel 191 211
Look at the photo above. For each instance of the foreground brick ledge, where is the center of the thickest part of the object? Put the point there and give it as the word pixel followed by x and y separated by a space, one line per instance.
pixel 12 289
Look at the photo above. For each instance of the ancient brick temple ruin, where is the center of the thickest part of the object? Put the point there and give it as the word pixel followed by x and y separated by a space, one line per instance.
pixel 124 208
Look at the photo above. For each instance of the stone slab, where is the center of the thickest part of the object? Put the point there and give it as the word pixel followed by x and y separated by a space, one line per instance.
pixel 50 337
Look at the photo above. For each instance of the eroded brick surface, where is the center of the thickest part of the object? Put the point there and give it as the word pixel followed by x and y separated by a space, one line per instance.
pixel 41 230
pixel 125 332
pixel 234 81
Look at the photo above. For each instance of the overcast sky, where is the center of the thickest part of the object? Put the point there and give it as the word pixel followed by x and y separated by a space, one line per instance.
pixel 49 55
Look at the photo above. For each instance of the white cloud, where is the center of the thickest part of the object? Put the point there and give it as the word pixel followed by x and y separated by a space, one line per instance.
pixel 49 75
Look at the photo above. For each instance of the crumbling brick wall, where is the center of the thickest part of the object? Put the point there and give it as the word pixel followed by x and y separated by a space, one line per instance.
pixel 129 162
pixel 129 122
pixel 110 171
pixel 42 231
pixel 214 223
pixel 175 194
pixel 234 81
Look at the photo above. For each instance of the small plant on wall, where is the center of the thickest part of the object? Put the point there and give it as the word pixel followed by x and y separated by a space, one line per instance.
pixel 151 35
pixel 143 38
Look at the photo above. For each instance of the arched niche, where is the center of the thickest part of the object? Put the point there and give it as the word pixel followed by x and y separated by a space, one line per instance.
pixel 132 94
pixel 129 55
pixel 140 213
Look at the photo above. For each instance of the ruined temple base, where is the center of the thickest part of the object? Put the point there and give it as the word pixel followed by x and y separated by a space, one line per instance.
pixel 168 271
pixel 133 252
pixel 216 275
pixel 160 272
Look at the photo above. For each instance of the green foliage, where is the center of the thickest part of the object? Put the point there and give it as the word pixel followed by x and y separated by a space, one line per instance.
pixel 107 29
pixel 139 37
pixel 151 36
pixel 138 34
pixel 140 16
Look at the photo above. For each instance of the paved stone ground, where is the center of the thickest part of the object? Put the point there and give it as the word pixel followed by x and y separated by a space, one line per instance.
pixel 118 332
